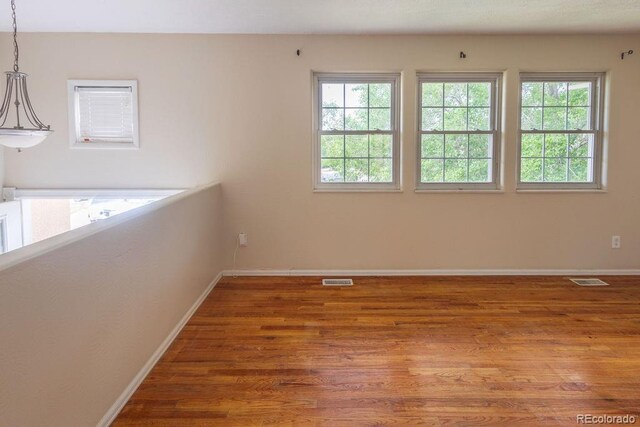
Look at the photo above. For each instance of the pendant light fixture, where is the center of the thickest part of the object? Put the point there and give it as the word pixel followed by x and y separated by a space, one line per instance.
pixel 28 130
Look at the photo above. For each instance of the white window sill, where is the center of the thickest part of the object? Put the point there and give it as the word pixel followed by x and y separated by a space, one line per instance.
pixel 104 146
pixel 561 190
pixel 357 190
pixel 453 191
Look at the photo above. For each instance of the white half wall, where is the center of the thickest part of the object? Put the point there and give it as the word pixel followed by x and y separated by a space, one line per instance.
pixel 78 323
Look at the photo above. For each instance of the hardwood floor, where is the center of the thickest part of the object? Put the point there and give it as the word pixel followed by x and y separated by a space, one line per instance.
pixel 393 351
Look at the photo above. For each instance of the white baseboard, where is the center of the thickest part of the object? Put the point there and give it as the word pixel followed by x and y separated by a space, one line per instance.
pixel 117 406
pixel 436 272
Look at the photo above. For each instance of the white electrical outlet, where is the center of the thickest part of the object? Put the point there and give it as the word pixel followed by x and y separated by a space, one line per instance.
pixel 615 242
pixel 243 240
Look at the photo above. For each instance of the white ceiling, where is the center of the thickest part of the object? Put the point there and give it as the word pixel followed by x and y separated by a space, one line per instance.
pixel 326 16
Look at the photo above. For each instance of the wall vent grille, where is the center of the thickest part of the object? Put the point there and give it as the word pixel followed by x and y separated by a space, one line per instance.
pixel 337 282
pixel 589 282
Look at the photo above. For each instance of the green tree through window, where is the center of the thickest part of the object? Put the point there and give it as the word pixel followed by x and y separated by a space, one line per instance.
pixel 559 135
pixel 357 131
pixel 458 130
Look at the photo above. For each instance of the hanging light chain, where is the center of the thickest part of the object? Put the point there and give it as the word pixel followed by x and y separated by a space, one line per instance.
pixel 28 129
pixel 16 52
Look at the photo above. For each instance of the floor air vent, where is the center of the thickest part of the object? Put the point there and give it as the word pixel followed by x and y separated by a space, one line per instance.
pixel 337 282
pixel 589 282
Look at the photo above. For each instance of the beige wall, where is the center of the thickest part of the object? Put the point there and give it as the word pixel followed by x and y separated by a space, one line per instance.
pixel 78 323
pixel 238 109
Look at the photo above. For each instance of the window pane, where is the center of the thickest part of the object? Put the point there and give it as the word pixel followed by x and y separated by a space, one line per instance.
pixel 580 145
pixel 332 95
pixel 104 114
pixel 479 170
pixel 479 94
pixel 432 118
pixel 479 119
pixel 559 156
pixel 531 170
pixel 332 170
pixel 580 94
pixel 578 118
pixel 332 119
pixel 432 145
pixel 381 146
pixel 455 94
pixel 380 95
pixel 466 111
pixel 579 170
pixel 555 145
pixel 432 94
pixel 455 146
pixel 480 146
pixel 380 119
pixel 531 118
pixel 356 138
pixel 562 158
pixel 356 119
pixel 555 170
pixel 380 170
pixel 356 95
pixel 555 94
pixel 555 118
pixel 332 145
pixel 455 170
pixel 532 94
pixel 357 170
pixel 455 119
pixel 532 145
pixel 432 170
pixel 357 146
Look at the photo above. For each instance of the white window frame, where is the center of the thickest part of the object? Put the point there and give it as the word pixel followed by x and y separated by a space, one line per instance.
pixel 597 120
pixel 495 79
pixel 74 122
pixel 318 79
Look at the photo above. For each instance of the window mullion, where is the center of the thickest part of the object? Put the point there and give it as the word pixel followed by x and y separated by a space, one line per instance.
pixel 544 157
pixel 458 132
pixel 566 126
pixel 368 136
pixel 544 89
pixel 552 132
pixel 356 132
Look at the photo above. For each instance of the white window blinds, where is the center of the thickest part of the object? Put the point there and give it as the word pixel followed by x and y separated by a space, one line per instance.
pixel 104 114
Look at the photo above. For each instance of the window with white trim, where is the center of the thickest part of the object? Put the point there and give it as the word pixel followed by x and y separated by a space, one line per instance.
pixel 458 131
pixel 356 124
pixel 560 138
pixel 103 113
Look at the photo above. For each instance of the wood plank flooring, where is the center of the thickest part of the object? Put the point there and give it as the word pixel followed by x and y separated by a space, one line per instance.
pixel 399 350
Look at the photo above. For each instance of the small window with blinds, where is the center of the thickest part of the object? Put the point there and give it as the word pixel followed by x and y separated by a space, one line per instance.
pixel 103 113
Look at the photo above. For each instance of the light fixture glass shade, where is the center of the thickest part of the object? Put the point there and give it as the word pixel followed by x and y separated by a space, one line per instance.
pixel 20 138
